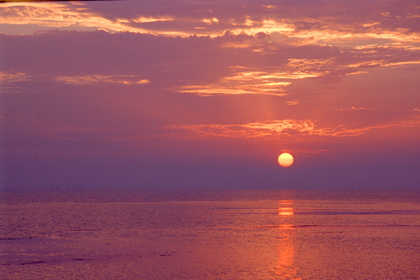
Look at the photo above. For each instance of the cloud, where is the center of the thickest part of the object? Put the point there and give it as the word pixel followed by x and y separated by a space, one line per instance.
pixel 152 19
pixel 275 128
pixel 351 109
pixel 293 102
pixel 251 49
pixel 279 129
pixel 13 77
pixel 101 79
pixel 9 81
pixel 310 23
pixel 305 151
pixel 70 15
pixel 246 81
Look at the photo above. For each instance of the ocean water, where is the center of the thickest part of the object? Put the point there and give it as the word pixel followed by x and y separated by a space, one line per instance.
pixel 231 234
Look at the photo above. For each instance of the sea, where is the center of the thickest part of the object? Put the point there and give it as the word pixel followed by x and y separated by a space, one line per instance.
pixel 210 234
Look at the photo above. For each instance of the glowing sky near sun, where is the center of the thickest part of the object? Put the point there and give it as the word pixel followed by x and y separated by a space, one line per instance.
pixel 208 94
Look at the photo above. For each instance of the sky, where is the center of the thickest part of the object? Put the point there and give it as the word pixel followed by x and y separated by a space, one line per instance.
pixel 195 94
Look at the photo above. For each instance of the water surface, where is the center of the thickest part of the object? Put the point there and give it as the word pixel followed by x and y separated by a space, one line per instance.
pixel 235 234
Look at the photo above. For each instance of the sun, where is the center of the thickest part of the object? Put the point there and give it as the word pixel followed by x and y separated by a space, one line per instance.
pixel 285 159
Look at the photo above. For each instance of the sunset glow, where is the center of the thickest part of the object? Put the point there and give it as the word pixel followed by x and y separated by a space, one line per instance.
pixel 118 93
pixel 198 139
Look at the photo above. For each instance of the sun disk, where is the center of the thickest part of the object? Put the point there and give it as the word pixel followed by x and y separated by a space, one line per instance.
pixel 285 159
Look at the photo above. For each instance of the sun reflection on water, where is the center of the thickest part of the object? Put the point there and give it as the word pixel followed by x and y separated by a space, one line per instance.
pixel 286 249
pixel 286 211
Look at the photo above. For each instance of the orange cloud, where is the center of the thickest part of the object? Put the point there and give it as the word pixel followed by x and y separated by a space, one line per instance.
pixel 281 128
pixel 305 151
pixel 319 30
pixel 352 109
pixel 151 19
pixel 68 16
pixel 95 79
pixel 13 77
pixel 292 102
pixel 253 130
pixel 246 80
